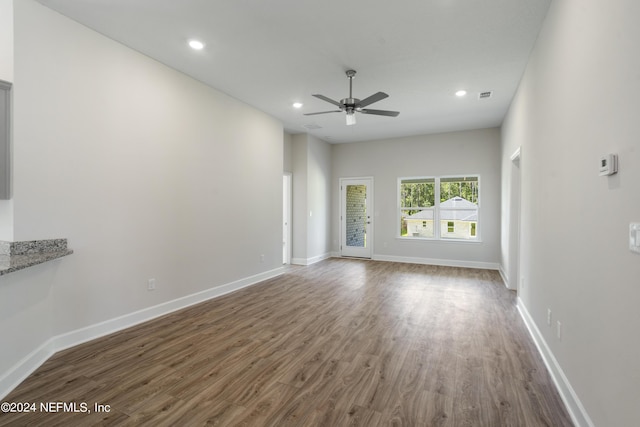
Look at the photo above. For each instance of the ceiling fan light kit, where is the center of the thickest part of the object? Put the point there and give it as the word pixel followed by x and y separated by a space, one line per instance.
pixel 352 105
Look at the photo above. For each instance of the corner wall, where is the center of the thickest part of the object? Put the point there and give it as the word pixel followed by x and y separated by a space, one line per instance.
pixel 311 199
pixel 579 100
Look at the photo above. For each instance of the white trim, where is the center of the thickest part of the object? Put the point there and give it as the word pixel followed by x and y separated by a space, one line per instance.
pixel 312 260
pixel 37 357
pixel 366 252
pixel 287 206
pixel 505 277
pixel 25 367
pixel 434 261
pixel 437 232
pixel 577 412
pixel 441 240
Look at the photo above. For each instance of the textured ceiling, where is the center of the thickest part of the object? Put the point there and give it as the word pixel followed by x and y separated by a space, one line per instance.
pixel 270 54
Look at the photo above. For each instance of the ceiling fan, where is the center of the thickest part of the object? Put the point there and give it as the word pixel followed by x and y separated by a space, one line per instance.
pixel 352 105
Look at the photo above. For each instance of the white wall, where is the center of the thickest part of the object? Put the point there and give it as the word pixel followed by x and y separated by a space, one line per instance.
pixel 579 100
pixel 299 149
pixel 148 173
pixel 319 198
pixel 6 40
pixel 6 74
pixel 287 152
pixel 311 199
pixel 465 153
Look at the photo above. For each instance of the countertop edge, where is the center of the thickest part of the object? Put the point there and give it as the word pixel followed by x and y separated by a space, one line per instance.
pixel 11 263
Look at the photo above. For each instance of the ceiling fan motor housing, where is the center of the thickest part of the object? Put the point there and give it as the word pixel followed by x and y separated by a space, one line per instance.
pixel 350 104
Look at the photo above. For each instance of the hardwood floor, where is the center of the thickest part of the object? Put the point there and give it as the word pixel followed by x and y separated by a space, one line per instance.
pixel 342 342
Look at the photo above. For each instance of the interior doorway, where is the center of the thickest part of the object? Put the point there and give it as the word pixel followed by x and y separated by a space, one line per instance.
pixel 514 223
pixel 286 217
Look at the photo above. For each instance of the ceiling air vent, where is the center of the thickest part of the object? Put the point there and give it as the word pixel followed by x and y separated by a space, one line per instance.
pixel 485 95
pixel 312 126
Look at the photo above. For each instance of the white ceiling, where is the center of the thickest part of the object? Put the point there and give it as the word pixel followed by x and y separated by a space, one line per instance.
pixel 271 53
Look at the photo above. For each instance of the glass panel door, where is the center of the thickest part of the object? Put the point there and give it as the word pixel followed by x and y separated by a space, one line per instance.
pixel 356 217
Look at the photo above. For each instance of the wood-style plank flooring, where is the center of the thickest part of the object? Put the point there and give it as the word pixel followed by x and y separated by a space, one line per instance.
pixel 342 342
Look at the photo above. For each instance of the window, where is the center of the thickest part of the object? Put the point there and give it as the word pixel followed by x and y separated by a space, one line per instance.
pixel 453 217
pixel 417 200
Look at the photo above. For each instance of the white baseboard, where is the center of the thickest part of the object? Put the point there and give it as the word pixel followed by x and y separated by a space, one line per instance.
pixel 36 358
pixel 577 412
pixel 312 260
pixel 435 261
pixel 504 276
pixel 25 367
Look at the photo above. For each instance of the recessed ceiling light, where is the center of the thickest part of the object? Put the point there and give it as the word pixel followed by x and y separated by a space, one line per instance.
pixel 196 44
pixel 461 93
pixel 297 105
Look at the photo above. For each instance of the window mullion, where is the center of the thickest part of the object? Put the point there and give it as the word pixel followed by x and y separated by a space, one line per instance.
pixel 436 210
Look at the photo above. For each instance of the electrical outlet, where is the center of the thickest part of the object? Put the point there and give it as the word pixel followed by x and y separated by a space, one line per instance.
pixel 559 330
pixel 151 285
pixel 262 258
pixel 549 316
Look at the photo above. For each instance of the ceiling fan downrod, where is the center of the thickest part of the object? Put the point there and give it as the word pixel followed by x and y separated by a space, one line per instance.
pixel 350 102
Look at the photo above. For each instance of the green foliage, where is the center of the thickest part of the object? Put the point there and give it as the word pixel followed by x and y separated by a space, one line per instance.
pixel 467 189
pixel 417 194
pixel 420 193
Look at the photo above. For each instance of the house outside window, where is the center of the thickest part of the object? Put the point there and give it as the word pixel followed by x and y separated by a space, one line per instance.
pixel 454 217
pixel 417 200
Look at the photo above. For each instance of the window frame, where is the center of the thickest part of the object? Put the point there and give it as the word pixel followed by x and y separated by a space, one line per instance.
pixel 438 233
pixel 417 208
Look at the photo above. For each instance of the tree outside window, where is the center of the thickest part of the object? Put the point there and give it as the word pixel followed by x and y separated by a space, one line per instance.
pixel 455 216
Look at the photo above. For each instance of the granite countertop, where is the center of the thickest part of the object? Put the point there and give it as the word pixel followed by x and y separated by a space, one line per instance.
pixel 16 256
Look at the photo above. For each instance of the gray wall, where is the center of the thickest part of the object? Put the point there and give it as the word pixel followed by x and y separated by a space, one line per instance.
pixel 147 172
pixel 311 199
pixel 464 153
pixel 287 152
pixel 579 100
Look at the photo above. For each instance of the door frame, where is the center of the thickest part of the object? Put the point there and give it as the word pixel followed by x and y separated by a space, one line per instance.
pixel 515 218
pixel 287 207
pixel 368 181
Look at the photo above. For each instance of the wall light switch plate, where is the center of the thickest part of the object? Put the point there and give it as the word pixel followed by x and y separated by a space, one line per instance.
pixel 634 237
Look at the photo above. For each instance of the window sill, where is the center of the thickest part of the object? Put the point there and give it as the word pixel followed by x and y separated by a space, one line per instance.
pixel 433 239
pixel 16 256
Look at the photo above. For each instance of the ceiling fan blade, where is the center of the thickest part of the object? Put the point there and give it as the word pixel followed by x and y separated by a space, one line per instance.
pixel 381 112
pixel 329 100
pixel 373 98
pixel 323 112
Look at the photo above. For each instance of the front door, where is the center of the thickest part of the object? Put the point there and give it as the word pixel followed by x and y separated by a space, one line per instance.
pixel 356 217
